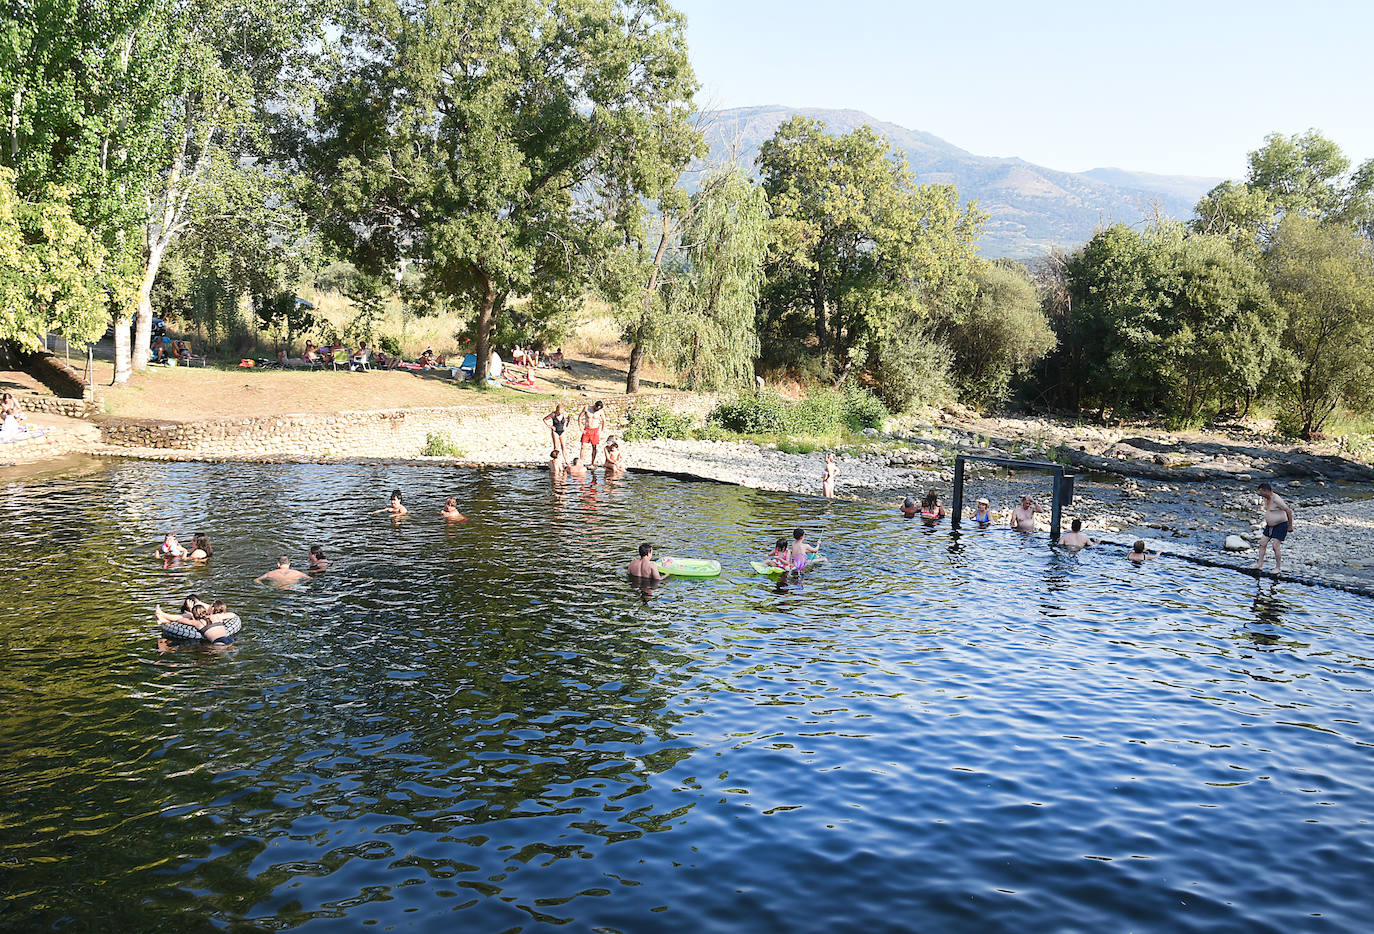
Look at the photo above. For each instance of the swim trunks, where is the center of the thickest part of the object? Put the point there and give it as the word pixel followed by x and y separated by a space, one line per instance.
pixel 591 436
pixel 223 640
pixel 1276 532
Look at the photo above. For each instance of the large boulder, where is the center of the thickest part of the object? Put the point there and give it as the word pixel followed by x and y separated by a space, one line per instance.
pixel 1236 543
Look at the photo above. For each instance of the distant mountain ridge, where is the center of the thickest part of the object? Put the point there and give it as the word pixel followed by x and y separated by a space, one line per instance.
pixel 1031 208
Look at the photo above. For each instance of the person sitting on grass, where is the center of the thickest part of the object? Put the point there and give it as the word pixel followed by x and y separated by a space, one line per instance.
pixel 643 567
pixel 282 575
pixel 312 353
pixel 450 511
pixel 1138 553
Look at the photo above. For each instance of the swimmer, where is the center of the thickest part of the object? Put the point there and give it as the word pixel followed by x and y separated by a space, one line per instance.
pixel 200 547
pixel 931 510
pixel 209 620
pixel 1075 539
pixel 828 477
pixel 282 575
pixel 800 549
pixel 170 548
pixel 981 514
pixel 1138 553
pixel 397 507
pixel 556 465
pixel 643 566
pixel 316 560
pixel 781 556
pixel 450 511
pixel 1023 516
pixel 576 470
pixel 909 508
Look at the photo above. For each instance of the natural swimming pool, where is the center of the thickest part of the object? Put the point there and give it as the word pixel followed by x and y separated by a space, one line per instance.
pixel 485 727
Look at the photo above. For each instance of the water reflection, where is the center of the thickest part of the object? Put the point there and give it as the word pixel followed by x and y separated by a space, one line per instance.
pixel 488 723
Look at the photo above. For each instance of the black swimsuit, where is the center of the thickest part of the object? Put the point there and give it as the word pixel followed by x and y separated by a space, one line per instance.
pixel 559 424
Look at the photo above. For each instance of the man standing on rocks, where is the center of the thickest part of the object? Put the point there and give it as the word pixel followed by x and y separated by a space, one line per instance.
pixel 1278 522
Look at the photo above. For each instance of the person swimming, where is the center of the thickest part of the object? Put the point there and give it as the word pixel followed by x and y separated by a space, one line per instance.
pixel 282 575
pixel 200 547
pixel 396 507
pixel 171 548
pixel 1138 553
pixel 1075 539
pixel 208 619
pixel 644 567
pixel 316 560
pixel 909 508
pixel 450 511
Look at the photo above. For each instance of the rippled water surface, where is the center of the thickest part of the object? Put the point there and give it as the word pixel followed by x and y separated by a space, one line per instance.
pixel 486 728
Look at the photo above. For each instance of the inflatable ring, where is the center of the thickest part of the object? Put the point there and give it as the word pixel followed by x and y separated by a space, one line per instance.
pixel 176 629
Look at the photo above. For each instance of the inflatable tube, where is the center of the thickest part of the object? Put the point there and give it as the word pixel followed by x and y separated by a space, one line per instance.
pixel 185 632
pixel 761 568
pixel 689 567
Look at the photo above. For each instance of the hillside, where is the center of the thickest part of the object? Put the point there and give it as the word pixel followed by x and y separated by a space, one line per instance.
pixel 1030 207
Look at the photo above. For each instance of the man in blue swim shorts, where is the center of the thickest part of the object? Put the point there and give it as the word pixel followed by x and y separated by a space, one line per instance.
pixel 1278 522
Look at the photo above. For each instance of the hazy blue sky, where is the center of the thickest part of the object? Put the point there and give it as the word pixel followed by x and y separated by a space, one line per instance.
pixel 1156 86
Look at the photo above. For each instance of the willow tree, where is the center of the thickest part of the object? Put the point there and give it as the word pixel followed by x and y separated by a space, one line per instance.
pixel 506 147
pixel 713 298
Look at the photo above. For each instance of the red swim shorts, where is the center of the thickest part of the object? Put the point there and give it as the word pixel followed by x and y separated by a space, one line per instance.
pixel 591 436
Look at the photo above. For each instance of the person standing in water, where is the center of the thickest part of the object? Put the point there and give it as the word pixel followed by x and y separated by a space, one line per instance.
pixel 643 567
pixel 981 515
pixel 614 460
pixel 909 508
pixel 1278 522
pixel 828 477
pixel 556 465
pixel 397 507
pixel 450 511
pixel 282 575
pixel 1023 516
pixel 1075 539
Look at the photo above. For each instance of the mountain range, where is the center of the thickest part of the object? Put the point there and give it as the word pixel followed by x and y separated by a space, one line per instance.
pixel 1031 208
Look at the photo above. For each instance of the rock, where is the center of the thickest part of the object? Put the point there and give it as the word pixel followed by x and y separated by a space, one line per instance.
pixel 1236 543
pixel 870 432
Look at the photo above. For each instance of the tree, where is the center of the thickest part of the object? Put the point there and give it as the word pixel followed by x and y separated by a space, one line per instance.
pixel 506 147
pixel 1322 276
pixel 51 272
pixel 714 299
pixel 858 250
pixel 999 333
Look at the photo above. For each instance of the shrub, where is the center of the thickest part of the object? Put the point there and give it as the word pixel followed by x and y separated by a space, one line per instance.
pixel 390 345
pixel 647 421
pixel 912 370
pixel 821 412
pixel 436 445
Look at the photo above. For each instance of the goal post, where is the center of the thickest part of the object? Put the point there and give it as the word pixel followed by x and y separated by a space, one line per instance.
pixel 1061 486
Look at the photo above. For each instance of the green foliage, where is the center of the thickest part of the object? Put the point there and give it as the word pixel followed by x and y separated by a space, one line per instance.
pixel 1322 276
pixel 913 369
pixel 820 412
pixel 52 272
pixel 437 445
pixel 506 146
pixel 860 255
pixel 996 335
pixel 390 345
pixel 646 421
pixel 712 339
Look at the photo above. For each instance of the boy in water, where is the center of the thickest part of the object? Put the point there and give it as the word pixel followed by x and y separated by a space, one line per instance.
pixel 1075 539
pixel 643 566
pixel 800 549
pixel 1278 522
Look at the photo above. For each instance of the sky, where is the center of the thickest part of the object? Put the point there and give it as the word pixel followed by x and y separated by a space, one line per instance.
pixel 1185 88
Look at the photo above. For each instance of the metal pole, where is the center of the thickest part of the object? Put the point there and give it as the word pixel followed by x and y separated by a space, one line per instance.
pixel 958 511
pixel 1055 505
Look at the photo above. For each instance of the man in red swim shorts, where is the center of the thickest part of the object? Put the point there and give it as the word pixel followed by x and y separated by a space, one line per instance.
pixel 593 419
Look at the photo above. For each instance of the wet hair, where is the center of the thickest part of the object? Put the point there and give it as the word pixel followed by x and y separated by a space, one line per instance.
pixel 317 551
pixel 1266 487
pixel 1139 546
pixel 451 501
pixel 396 495
pixel 219 606
pixel 283 562
pixel 645 550
pixel 201 613
pixel 189 603
pixel 1078 525
pixel 908 503
pixel 553 455
pixel 201 541
pixel 799 534
pixel 781 543
pixel 932 499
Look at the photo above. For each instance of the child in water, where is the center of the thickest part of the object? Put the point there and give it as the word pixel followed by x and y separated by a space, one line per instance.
pixel 170 548
pixel 800 550
pixel 450 511
pixel 397 507
pixel 1138 553
pixel 780 558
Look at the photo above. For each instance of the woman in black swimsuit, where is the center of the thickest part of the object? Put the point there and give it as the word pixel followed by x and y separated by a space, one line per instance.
pixel 557 421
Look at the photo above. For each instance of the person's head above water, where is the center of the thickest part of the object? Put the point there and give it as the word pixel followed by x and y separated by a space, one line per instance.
pixel 396 496
pixel 908 503
pixel 781 544
pixel 932 499
pixel 982 501
pixel 1139 546
pixel 219 606
pixel 451 502
pixel 316 551
pixel 798 534
pixel 189 603
pixel 645 550
pixel 283 562
pixel 1078 525
pixel 1027 500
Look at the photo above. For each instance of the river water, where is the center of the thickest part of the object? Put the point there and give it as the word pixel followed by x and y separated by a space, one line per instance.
pixel 485 727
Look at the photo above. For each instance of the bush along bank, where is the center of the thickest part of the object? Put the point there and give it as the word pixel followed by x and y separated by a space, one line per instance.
pixel 822 413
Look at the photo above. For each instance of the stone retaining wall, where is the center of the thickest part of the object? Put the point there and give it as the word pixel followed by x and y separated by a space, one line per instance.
pixel 389 433
pixel 53 372
pixel 51 405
